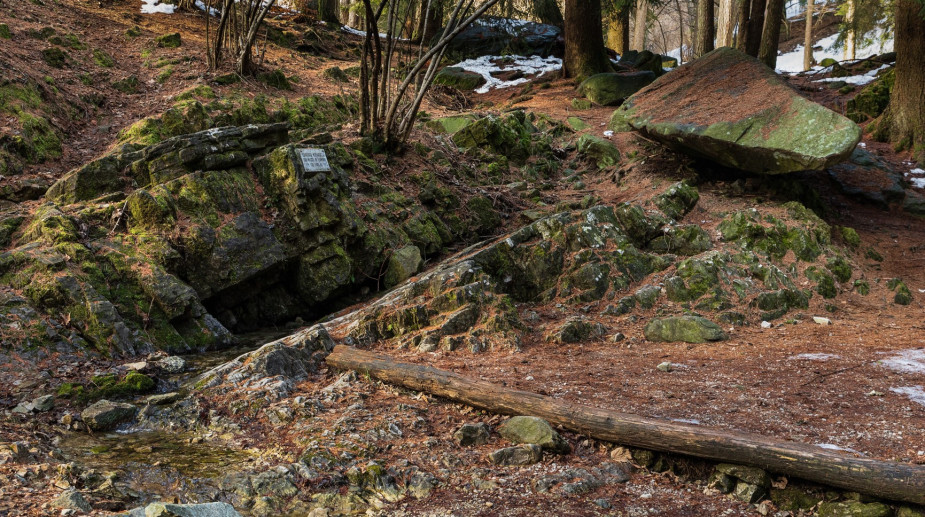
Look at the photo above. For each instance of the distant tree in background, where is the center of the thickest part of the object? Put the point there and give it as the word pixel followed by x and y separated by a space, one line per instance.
pixel 706 32
pixel 547 11
pixel 903 122
pixel 770 36
pixel 585 54
pixel 639 25
pixel 617 16
pixel 327 11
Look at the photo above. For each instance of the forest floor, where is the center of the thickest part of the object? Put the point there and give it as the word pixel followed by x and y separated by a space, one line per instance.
pixel 857 385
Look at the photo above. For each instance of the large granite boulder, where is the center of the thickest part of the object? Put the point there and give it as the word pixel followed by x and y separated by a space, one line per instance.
pixel 729 108
pixel 492 36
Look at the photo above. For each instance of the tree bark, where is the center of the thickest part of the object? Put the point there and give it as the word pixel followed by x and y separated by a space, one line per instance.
pixel 903 122
pixel 808 60
pixel 745 9
pixel 725 25
pixel 327 11
pixel 850 46
pixel 547 11
pixel 639 31
pixel 705 28
pixel 889 480
pixel 755 27
pixel 618 31
pixel 770 38
pixel 584 40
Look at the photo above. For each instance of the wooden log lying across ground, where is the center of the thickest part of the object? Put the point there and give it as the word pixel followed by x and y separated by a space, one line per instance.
pixel 884 479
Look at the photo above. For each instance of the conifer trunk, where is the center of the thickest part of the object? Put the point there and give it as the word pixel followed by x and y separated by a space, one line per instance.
pixel 547 11
pixel 618 31
pixel 903 122
pixel 705 28
pixel 584 40
pixel 770 38
pixel 755 27
pixel 327 11
pixel 639 31
pixel 725 24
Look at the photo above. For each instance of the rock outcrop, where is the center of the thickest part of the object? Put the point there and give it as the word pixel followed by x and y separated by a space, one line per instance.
pixel 729 108
pixel 492 36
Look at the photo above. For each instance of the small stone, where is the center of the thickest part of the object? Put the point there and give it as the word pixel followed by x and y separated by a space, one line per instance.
pixel 472 434
pixel 665 366
pixel 139 366
pixel 526 454
pixel 43 403
pixel 875 393
pixel 533 430
pixel 163 399
pixel 172 364
pixel 71 500
pixel 749 493
pixel 751 475
pixel 616 338
pixel 105 415
pixel 822 321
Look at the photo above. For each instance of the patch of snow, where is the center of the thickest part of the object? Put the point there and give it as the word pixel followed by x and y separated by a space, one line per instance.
pixel 792 62
pixel 608 133
pixel 686 420
pixel 862 145
pixel 153 7
pixel 528 65
pixel 211 10
pixel 915 393
pixel 357 32
pixel 833 447
pixel 814 357
pixel 906 361
pixel 917 171
pixel 918 182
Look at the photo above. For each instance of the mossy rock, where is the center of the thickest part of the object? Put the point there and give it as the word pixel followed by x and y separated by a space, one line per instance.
pixel 687 329
pixel 55 57
pixel 169 40
pixel 403 263
pixel 483 218
pixel 793 499
pixel 110 386
pixel 70 41
pixel 127 85
pixel 601 152
pixel 133 31
pixel 873 99
pixel 101 58
pixel 854 509
pixel 777 303
pixel 611 89
pixel 277 79
pixel 5 31
pixel 449 125
pixel 827 62
pixel 224 80
pixel 535 431
pixel 903 295
pixel 850 236
pixel 458 78
pixel 678 200
pixel 336 74
pixel 685 240
pixel 581 104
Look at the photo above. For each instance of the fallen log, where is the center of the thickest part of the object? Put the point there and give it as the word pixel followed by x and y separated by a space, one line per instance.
pixel 883 479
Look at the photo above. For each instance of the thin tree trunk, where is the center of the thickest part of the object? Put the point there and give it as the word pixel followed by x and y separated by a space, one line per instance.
pixel 584 40
pixel 618 31
pixel 745 10
pixel 808 60
pixel 770 38
pixel 705 28
pixel 755 27
pixel 726 24
pixel 850 45
pixel 244 64
pixel 639 31
pixel 903 122
pixel 887 479
pixel 681 23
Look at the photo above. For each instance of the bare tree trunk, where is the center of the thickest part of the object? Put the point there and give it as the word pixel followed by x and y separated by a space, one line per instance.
pixel 639 31
pixel 770 37
pixel 584 40
pixel 705 28
pixel 808 60
pixel 726 24
pixel 903 122
pixel 618 31
pixel 745 9
pixel 850 45
pixel 755 27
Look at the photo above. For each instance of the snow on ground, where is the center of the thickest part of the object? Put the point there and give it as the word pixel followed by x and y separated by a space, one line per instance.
pixel 833 447
pixel 792 62
pixel 814 357
pixel 906 361
pixel 152 7
pixel 918 182
pixel 351 30
pixel 915 393
pixel 528 65
pixel 859 80
pixel 203 7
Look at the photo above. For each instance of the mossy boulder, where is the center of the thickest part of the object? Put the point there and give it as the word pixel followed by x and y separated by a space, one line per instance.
pixel 106 416
pixel 791 499
pixel 101 58
pixel 751 120
pixel 854 509
pixel 872 100
pixel 599 151
pixel 5 31
pixel 679 199
pixel 903 296
pixel 682 240
pixel 169 40
pixel 509 135
pixel 336 74
pixel 55 57
pixel 535 431
pixel 687 329
pixel 611 89
pixel 459 78
pixel 403 263
pixel 449 125
pixel 276 78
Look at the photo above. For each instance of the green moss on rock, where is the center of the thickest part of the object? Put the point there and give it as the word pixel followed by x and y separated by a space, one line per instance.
pixel 169 40
pixel 687 329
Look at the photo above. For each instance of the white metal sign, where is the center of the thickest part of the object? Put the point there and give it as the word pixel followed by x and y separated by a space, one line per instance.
pixel 314 160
